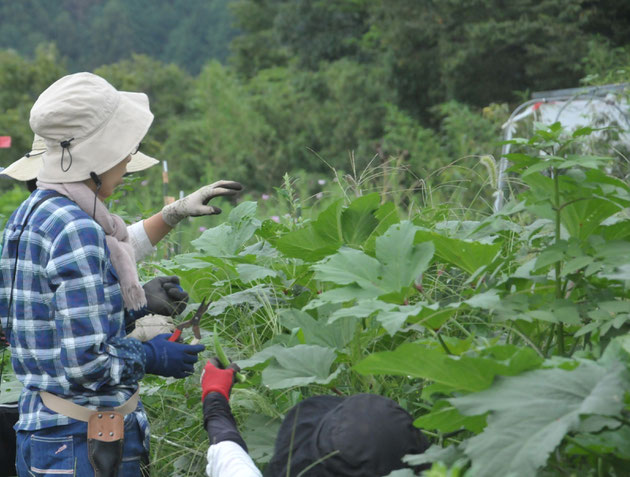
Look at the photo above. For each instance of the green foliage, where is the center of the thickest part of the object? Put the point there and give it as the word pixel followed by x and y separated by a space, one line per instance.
pixel 465 373
pixel 229 237
pixel 220 138
pixel 91 33
pixel 298 26
pixel 10 201
pixel 500 330
pixel 398 263
pixel 338 225
pixel 11 387
pixel 449 51
pixel 522 362
pixel 21 81
pixel 531 413
pixel 298 366
pixel 467 255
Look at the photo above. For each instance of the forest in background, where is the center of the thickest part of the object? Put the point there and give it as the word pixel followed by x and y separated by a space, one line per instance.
pixel 92 33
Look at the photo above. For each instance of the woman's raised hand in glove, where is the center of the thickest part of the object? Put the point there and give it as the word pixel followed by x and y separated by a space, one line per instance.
pixel 196 204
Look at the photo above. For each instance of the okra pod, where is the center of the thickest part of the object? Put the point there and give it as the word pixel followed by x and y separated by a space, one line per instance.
pixel 225 361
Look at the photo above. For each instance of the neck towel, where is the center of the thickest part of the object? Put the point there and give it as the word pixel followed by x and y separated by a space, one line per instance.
pixel 120 248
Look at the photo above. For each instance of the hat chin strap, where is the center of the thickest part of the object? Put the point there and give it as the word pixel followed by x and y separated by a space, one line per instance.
pixel 99 183
pixel 65 145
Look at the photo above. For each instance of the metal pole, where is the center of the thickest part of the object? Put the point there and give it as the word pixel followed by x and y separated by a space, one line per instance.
pixel 596 93
pixel 167 198
pixel 178 243
pixel 503 162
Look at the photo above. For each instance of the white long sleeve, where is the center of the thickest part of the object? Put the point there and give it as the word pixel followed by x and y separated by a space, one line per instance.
pixel 140 241
pixel 228 459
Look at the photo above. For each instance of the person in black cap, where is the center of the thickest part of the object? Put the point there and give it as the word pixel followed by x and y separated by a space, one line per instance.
pixel 322 436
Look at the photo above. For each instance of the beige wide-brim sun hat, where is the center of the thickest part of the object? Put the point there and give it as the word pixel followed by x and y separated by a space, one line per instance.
pixel 27 167
pixel 87 126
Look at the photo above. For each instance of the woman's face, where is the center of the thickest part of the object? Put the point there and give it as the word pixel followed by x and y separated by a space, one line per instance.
pixel 112 178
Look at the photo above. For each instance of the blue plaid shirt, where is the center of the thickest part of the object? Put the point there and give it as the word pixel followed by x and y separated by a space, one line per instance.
pixel 67 329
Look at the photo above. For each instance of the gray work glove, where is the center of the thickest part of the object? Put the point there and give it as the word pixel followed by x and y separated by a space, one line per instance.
pixel 196 204
pixel 165 296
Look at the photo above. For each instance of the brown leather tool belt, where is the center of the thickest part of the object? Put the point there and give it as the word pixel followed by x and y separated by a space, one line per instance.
pixel 105 433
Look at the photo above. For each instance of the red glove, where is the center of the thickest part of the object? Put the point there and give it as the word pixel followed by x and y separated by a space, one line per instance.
pixel 215 379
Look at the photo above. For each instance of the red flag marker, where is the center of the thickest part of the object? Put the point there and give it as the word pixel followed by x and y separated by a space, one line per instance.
pixel 5 142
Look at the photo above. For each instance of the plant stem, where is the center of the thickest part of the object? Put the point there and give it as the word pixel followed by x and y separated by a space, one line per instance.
pixel 525 338
pixel 576 342
pixel 558 265
pixel 560 338
pixel 461 328
pixel 356 354
pixel 549 339
pixel 573 441
pixel 448 351
pixel 179 446
pixel 622 420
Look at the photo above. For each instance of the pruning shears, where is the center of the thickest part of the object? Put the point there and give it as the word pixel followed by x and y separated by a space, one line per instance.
pixel 193 322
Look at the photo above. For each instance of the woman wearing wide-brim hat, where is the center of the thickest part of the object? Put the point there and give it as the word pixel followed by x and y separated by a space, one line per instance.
pixel 68 284
pixel 25 170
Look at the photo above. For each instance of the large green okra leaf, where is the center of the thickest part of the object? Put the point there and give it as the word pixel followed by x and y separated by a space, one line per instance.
pixel 530 414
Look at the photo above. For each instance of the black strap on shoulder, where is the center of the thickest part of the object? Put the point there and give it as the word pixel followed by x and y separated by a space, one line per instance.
pixel 28 216
pixel 8 331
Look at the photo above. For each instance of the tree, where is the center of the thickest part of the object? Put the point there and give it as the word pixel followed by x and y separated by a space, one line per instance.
pixel 258 46
pixel 316 31
pixel 478 51
pixel 21 82
pixel 92 33
pixel 202 34
pixel 167 87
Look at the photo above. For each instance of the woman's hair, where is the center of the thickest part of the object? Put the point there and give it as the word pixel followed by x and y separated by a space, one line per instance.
pixel 31 185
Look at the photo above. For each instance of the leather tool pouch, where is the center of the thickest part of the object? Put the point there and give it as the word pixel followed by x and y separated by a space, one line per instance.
pixel 106 430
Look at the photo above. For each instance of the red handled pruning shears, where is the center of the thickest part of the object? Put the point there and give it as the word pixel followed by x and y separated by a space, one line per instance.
pixel 193 322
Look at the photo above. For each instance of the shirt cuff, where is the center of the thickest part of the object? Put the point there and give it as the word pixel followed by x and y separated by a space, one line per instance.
pixel 228 459
pixel 132 353
pixel 140 241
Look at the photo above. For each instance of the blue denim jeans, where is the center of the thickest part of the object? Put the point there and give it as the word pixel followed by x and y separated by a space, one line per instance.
pixel 62 450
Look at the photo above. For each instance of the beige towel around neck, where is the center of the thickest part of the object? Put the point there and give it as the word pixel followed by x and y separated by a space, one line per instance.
pixel 120 249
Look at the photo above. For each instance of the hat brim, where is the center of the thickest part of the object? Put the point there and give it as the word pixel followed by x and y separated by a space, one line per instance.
pixel 140 162
pixel 25 168
pixel 105 148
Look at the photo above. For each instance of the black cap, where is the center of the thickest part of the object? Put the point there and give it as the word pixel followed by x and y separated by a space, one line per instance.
pixel 361 435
